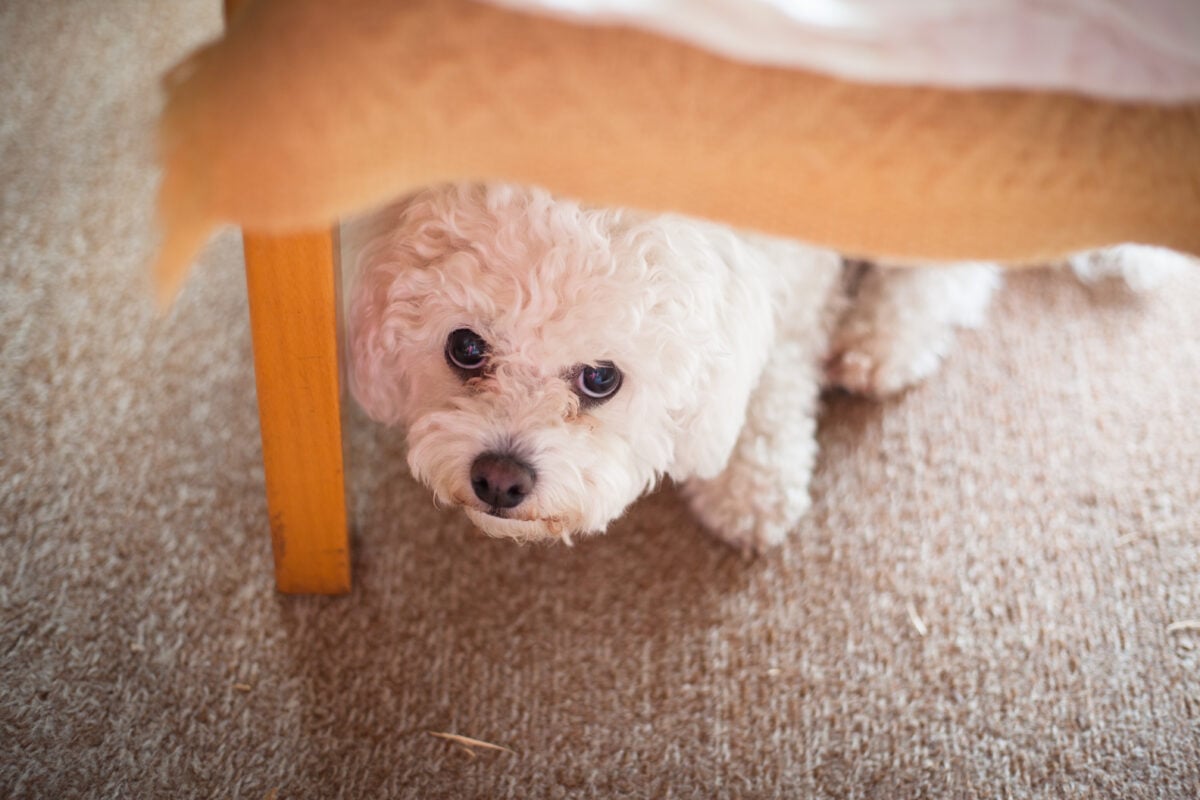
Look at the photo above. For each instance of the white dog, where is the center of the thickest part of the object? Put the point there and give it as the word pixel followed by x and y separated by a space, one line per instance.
pixel 551 362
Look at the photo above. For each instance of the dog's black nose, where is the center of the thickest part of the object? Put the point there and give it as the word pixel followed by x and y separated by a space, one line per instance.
pixel 501 481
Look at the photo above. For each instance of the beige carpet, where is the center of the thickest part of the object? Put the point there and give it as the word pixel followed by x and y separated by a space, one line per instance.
pixel 979 606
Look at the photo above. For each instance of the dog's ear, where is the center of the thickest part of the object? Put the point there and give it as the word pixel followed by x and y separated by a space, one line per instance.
pixel 386 251
pixel 707 432
pixel 376 375
pixel 731 325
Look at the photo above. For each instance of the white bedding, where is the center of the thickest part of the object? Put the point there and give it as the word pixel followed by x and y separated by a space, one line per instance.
pixel 1123 49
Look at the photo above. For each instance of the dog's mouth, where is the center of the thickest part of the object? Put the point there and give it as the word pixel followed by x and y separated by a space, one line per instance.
pixel 499 522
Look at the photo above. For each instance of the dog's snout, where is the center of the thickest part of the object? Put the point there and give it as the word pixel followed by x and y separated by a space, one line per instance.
pixel 501 481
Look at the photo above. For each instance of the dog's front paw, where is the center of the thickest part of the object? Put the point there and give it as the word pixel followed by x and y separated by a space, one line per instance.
pixel 754 520
pixel 902 322
pixel 877 363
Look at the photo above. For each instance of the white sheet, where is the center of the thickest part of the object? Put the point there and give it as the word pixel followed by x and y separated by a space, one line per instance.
pixel 1123 49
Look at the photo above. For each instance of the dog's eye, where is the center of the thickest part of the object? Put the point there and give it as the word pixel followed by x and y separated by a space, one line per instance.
pixel 466 350
pixel 599 382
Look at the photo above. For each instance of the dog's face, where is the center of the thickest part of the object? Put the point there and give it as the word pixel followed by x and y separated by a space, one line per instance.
pixel 549 363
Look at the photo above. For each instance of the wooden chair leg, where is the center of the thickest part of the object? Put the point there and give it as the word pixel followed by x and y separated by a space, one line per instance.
pixel 293 284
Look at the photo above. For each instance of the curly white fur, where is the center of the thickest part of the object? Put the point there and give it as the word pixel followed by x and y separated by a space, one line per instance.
pixel 725 341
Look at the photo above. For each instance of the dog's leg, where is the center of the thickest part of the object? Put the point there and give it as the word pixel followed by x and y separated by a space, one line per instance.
pixel 1142 268
pixel 901 324
pixel 763 491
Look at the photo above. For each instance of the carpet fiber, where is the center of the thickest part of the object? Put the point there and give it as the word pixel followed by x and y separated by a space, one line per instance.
pixel 985 601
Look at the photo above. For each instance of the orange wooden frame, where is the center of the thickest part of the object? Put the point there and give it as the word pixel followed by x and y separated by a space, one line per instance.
pixel 293 284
